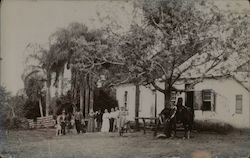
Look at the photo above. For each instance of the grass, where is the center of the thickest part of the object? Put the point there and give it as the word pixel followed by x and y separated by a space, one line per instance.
pixel 44 144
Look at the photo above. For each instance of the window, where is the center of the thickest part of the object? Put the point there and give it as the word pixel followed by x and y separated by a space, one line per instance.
pixel 238 106
pixel 207 95
pixel 208 103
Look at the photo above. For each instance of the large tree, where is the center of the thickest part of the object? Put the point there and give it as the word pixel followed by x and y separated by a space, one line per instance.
pixel 177 31
pixel 63 43
pixel 77 46
pixel 92 54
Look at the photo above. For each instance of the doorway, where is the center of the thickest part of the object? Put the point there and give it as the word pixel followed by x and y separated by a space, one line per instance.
pixel 189 99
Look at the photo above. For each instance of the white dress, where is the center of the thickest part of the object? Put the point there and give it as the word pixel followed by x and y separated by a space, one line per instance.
pixel 105 122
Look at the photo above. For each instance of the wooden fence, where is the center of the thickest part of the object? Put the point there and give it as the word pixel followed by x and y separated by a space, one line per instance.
pixel 42 122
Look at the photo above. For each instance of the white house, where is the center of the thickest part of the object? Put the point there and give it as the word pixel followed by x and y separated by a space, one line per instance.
pixel 216 98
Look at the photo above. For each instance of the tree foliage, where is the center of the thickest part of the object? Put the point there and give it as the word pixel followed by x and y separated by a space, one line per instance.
pixel 175 39
pixel 177 31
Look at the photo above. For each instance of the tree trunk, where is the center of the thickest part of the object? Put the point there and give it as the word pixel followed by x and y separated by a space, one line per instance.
pixel 91 99
pixel 167 99
pixel 81 98
pixel 86 97
pixel 61 83
pixel 91 94
pixel 56 90
pixel 74 108
pixel 47 98
pixel 40 106
pixel 12 111
pixel 137 104
pixel 167 95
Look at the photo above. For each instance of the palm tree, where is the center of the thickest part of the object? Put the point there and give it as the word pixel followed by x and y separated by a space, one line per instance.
pixel 59 44
pixel 64 44
pixel 42 61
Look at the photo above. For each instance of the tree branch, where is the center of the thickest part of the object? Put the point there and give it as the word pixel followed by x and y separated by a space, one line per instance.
pixel 120 82
pixel 161 67
pixel 157 87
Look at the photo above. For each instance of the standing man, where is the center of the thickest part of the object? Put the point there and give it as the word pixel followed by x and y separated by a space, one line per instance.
pixel 58 125
pixel 111 120
pixel 63 122
pixel 99 120
pixel 116 115
pixel 78 120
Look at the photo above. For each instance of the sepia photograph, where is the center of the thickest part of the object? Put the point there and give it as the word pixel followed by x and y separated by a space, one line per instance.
pixel 125 79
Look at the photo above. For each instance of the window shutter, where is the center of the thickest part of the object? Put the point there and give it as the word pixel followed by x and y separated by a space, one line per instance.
pixel 213 94
pixel 125 99
pixel 197 100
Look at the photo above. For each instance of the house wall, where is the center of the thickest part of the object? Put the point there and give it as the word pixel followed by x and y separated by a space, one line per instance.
pixel 148 104
pixel 225 102
pixel 120 91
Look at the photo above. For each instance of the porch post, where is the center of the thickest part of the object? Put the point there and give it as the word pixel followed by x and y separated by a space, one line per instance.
pixel 137 104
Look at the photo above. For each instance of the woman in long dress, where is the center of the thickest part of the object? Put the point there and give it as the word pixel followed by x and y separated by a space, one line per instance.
pixel 91 122
pixel 105 121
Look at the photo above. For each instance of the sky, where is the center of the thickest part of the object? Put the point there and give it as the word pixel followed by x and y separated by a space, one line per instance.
pixel 32 21
pixel 24 22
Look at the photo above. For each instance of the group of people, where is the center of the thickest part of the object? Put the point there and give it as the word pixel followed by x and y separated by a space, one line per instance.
pixel 115 120
pixel 112 121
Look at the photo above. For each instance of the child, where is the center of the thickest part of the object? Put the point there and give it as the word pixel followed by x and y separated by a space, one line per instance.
pixel 121 120
pixel 58 130
pixel 58 126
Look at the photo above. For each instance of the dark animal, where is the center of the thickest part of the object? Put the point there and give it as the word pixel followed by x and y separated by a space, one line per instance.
pixel 169 117
pixel 185 115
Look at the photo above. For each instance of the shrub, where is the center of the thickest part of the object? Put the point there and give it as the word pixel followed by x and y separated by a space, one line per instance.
pixel 17 123
pixel 4 108
pixel 218 127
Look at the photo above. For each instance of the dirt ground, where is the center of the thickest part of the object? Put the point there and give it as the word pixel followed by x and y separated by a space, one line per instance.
pixel 44 144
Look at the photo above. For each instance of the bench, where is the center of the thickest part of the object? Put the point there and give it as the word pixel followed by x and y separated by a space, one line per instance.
pixel 144 121
pixel 179 127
